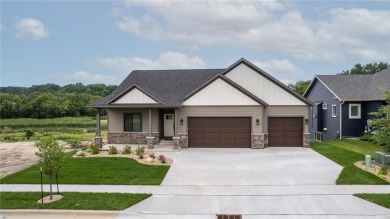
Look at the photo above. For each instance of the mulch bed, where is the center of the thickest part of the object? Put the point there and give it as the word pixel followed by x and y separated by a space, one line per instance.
pixel 374 169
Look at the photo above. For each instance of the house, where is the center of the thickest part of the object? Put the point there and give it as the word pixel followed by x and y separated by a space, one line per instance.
pixel 343 103
pixel 240 106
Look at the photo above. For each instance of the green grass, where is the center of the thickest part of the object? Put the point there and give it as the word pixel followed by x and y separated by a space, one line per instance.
pixel 361 147
pixel 95 170
pixel 72 122
pixel 71 200
pixel 380 199
pixel 335 150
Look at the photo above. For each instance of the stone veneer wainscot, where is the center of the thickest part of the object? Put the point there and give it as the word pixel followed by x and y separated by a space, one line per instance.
pixel 131 137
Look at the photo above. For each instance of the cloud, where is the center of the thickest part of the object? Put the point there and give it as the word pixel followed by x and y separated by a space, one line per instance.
pixel 85 78
pixel 29 28
pixel 168 60
pixel 265 26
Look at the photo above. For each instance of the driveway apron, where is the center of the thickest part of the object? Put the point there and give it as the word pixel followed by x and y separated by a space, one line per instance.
pixel 271 166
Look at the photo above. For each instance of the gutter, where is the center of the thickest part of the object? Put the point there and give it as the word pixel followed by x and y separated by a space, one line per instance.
pixel 341 118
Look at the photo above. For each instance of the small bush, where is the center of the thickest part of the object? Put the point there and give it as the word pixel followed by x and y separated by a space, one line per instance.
pixel 383 171
pixel 28 133
pixel 112 150
pixel 140 150
pixel 369 138
pixel 141 156
pixel 162 158
pixel 126 150
pixel 93 149
pixel 151 154
pixel 7 138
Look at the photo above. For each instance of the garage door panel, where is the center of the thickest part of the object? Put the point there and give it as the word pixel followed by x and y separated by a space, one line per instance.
pixel 221 132
pixel 285 132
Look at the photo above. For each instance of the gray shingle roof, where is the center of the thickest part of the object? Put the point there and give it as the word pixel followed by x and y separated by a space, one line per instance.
pixel 358 87
pixel 168 86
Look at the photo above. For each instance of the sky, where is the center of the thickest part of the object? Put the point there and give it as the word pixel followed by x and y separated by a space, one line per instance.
pixel 65 42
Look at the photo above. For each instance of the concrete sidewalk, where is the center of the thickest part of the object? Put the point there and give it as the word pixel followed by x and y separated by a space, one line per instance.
pixel 210 190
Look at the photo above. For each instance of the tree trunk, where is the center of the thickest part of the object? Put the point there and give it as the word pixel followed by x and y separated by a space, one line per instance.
pixel 51 193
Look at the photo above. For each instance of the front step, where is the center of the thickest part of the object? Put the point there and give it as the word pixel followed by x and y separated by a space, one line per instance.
pixel 164 142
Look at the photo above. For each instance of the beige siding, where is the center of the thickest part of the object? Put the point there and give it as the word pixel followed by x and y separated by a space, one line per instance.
pixel 135 96
pixel 260 86
pixel 256 112
pixel 115 119
pixel 286 111
pixel 212 95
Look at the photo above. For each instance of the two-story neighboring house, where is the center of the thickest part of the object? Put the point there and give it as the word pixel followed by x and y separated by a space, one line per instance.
pixel 343 103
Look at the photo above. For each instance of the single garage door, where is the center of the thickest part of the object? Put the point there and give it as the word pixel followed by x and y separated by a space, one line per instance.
pixel 285 132
pixel 219 132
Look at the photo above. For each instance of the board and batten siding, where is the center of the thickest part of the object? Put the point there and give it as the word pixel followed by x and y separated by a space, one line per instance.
pixel 255 112
pixel 286 111
pixel 261 87
pixel 134 96
pixel 115 122
pixel 221 93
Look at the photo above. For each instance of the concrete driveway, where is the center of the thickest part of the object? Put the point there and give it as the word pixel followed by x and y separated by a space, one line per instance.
pixel 271 166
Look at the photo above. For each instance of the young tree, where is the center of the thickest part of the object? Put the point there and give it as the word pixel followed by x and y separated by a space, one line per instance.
pixel 52 156
pixel 381 123
pixel 300 87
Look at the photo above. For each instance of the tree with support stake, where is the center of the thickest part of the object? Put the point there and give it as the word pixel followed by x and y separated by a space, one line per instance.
pixel 52 156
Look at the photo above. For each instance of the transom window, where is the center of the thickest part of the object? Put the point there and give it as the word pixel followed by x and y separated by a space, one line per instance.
pixel 334 111
pixel 354 111
pixel 133 122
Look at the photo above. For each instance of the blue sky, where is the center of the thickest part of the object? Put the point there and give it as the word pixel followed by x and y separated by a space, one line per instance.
pixel 66 42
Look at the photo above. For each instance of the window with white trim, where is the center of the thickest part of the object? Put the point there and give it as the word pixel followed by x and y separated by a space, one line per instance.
pixel 355 111
pixel 334 110
pixel 324 106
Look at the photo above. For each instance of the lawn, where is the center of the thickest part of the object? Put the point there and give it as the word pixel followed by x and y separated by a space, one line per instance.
pixel 95 170
pixel 380 199
pixel 71 200
pixel 337 151
pixel 361 147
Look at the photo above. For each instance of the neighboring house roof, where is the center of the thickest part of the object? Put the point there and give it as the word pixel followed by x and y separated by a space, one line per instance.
pixel 169 88
pixel 355 87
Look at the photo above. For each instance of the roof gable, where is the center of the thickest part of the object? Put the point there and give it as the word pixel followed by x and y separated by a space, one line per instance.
pixel 355 87
pixel 220 91
pixel 134 96
pixel 262 85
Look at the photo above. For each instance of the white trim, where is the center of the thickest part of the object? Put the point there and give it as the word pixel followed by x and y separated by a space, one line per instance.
pixel 334 113
pixel 341 119
pixel 324 106
pixel 359 116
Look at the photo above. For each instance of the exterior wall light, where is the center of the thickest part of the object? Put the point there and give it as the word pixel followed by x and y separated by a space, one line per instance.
pixel 181 121
pixel 306 122
pixel 257 122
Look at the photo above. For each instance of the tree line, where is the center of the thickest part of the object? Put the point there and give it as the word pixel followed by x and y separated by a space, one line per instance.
pixel 51 100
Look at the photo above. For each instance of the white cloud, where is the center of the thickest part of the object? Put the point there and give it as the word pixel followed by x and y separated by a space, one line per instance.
pixel 85 78
pixel 265 26
pixel 168 60
pixel 29 28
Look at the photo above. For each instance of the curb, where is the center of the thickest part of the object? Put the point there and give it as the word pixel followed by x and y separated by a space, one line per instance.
pixel 55 213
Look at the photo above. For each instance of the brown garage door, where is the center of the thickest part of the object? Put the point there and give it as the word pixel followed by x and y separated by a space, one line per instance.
pixel 219 132
pixel 285 132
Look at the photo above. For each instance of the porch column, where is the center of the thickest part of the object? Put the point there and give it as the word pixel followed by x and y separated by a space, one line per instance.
pixel 98 138
pixel 150 122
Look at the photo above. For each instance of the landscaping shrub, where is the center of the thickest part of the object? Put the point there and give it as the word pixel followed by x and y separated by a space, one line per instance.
pixel 7 138
pixel 383 171
pixel 369 138
pixel 151 154
pixel 162 158
pixel 140 150
pixel 93 149
pixel 28 133
pixel 112 150
pixel 126 150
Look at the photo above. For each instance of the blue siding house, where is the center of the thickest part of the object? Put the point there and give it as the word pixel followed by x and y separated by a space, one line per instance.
pixel 342 103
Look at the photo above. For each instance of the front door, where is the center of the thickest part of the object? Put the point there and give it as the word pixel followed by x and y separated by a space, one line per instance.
pixel 169 125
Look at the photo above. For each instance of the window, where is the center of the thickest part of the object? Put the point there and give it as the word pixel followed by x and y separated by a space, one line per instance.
pixel 334 111
pixel 324 106
pixel 318 136
pixel 355 111
pixel 133 122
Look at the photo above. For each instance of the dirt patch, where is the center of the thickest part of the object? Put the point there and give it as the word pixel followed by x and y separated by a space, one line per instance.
pixel 17 156
pixel 48 200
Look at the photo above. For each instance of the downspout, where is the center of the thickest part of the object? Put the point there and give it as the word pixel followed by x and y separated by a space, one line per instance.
pixel 341 118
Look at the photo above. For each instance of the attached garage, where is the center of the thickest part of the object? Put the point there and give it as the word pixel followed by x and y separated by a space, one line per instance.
pixel 219 132
pixel 285 132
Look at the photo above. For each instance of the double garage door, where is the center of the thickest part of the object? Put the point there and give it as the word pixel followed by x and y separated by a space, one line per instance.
pixel 235 132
